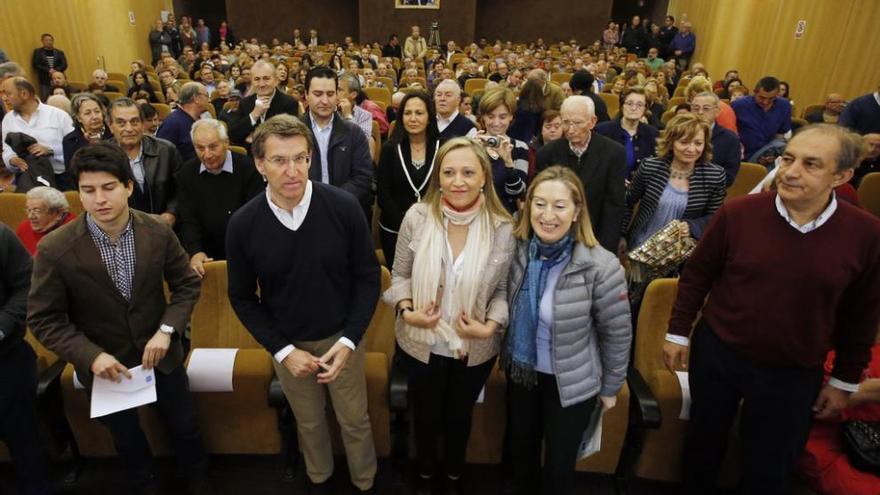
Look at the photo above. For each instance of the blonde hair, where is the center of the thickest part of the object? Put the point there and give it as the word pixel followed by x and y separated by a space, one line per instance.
pixel 582 227
pixel 684 126
pixel 698 84
pixel 434 195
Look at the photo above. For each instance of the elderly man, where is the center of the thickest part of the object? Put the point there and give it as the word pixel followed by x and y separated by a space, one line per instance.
pixel 152 161
pixel 830 112
pixel 774 309
pixel 46 124
pixel 450 123
pixel 166 77
pixel 415 45
pixel 46 60
pixel 349 89
pixel 726 150
pixel 99 79
pixel 762 119
pixel 191 103
pixel 600 163
pixel 394 108
pixel 653 60
pixel 307 246
pixel 265 102
pixel 47 209
pixel 553 96
pixel 211 188
pixel 340 151
pixel 207 78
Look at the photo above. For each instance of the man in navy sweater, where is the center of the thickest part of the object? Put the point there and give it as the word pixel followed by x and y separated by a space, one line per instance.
pixel 792 274
pixel 863 113
pixel 176 128
pixel 307 246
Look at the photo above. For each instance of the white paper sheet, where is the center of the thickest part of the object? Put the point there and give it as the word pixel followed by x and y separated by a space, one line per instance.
pixel 210 370
pixel 685 395
pixel 591 442
pixel 109 397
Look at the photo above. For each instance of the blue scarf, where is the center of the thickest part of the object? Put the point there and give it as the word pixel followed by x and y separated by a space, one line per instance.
pixel 520 354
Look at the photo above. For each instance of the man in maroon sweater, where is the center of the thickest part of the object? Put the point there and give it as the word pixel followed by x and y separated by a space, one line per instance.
pixel 789 275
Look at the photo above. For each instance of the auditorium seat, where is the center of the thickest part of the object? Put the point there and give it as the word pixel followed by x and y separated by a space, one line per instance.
pixel 660 458
pixel 810 109
pixel 560 77
pixel 472 85
pixel 869 193
pixel 12 209
pixel 113 95
pixel 163 110
pixel 612 102
pixel 749 175
pixel 379 94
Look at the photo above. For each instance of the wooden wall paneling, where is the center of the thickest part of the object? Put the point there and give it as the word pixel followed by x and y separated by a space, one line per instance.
pixel 553 20
pixel 334 19
pixel 378 19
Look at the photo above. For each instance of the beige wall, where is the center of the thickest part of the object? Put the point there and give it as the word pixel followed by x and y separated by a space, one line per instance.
pixel 84 29
pixel 838 52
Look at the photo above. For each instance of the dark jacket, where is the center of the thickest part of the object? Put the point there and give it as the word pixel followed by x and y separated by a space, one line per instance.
pixel 74 140
pixel 77 312
pixel 644 141
pixel 601 168
pixel 39 172
pixel 242 128
pixel 705 195
pixel 41 64
pixel 600 105
pixel 348 154
pixel 161 162
pixel 394 193
pixel 15 280
pixel 158 39
pixel 726 152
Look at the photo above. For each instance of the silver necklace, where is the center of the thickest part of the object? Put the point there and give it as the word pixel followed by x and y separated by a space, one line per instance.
pixel 680 174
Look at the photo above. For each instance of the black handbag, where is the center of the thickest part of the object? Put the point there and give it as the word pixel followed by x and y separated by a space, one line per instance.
pixel 862 442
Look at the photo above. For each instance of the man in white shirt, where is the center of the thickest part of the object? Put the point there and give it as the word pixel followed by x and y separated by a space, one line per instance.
pixel 450 124
pixel 48 125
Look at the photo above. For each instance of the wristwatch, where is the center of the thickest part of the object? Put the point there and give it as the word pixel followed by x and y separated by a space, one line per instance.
pixel 166 329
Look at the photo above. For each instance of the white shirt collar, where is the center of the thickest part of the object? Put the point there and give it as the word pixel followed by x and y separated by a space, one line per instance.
pixel 227 164
pixel 809 226
pixel 444 123
pixel 316 127
pixel 877 96
pixel 292 219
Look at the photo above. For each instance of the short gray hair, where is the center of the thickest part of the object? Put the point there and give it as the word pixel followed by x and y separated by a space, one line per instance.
pixel 707 94
pixel 209 124
pixel 353 83
pixel 580 100
pixel 10 69
pixel 55 199
pixel 99 71
pixel 77 102
pixel 189 92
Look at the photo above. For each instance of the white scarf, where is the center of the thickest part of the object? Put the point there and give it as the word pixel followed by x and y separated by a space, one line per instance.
pixel 427 269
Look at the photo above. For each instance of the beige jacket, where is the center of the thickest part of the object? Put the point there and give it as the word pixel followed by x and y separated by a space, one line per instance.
pixel 491 301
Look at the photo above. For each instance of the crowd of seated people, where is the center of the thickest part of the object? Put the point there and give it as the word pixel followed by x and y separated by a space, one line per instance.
pixel 558 157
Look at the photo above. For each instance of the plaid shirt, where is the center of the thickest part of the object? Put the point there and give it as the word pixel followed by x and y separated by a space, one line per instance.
pixel 118 257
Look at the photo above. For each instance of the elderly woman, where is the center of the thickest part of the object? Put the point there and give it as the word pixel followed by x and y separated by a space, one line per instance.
pixel 680 183
pixel 406 163
pixel 567 348
pixel 637 137
pixel 90 118
pixel 47 209
pixel 510 157
pixel 449 286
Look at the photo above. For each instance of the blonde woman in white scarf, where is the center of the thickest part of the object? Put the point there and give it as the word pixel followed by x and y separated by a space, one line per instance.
pixel 449 287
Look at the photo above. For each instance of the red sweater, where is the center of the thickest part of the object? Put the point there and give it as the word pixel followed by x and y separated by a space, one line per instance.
pixel 30 238
pixel 781 297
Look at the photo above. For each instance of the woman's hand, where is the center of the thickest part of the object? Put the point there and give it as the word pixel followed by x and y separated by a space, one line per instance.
pixel 607 402
pixel 470 328
pixel 505 151
pixel 426 317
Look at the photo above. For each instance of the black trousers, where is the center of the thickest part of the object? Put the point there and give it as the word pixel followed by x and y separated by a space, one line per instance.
pixel 444 392
pixel 389 246
pixel 534 415
pixel 776 416
pixel 18 417
pixel 176 408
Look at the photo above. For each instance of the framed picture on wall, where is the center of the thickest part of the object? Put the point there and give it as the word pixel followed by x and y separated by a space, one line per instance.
pixel 416 4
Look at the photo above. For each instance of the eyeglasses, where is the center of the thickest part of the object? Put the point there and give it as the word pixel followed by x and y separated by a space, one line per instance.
pixel 703 109
pixel 634 104
pixel 574 123
pixel 283 161
pixel 34 211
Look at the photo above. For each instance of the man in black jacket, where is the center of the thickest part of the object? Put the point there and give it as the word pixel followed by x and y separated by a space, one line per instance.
pixel 18 368
pixel 46 60
pixel 635 38
pixel 265 103
pixel 392 49
pixel 598 161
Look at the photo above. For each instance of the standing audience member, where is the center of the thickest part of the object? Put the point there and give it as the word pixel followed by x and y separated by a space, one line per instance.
pixel 637 138
pixel 45 124
pixel 405 166
pixel 392 49
pixel 307 247
pixel 634 37
pixel 130 254
pixel 46 61
pixel 415 45
pixel 527 114
pixel 726 149
pixel 160 41
pixel 450 122
pixel 19 421
pixel 683 46
pixel 176 126
pixel 90 118
pixel 666 35
pixel 770 320
pixel 567 348
pixel 340 152
pixel 349 89
pixel 211 188
pixel 152 161
pixel 582 83
pixel 263 104
pixel 762 119
pixel 726 116
pixel 449 286
pixel 509 157
pixel 47 209
pixel 599 162
pixel 863 114
pixel 553 96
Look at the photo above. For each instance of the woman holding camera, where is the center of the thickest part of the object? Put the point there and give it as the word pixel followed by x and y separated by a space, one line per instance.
pixel 510 157
pixel 567 347
pixel 449 286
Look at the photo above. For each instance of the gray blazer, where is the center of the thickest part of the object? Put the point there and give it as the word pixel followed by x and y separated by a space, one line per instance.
pixel 592 330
